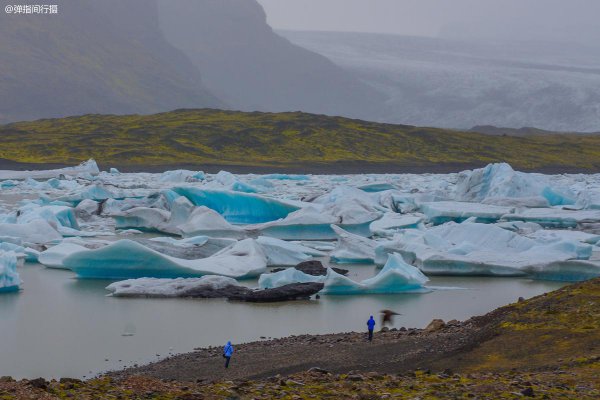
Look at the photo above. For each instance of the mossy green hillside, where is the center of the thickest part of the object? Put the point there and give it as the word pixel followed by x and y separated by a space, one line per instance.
pixel 197 137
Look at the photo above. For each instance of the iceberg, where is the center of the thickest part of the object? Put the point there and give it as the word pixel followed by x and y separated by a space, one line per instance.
pixel 54 257
pixel 281 253
pixel 286 177
pixel 88 167
pixel 127 259
pixel 179 287
pixel 144 219
pixel 481 249
pixel 181 175
pixel 238 207
pixel 554 217
pixel 9 278
pixel 38 231
pixel 204 221
pixel 28 253
pixel 352 248
pixel 55 215
pixel 445 211
pixel 501 181
pixel 392 222
pixel 287 277
pixel 396 277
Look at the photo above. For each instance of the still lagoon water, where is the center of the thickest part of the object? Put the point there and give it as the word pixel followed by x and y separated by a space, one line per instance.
pixel 60 326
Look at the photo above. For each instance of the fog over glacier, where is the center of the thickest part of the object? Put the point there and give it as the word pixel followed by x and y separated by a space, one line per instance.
pixel 463 63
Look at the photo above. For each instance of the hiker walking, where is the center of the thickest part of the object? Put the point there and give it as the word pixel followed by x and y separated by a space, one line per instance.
pixel 227 353
pixel 371 326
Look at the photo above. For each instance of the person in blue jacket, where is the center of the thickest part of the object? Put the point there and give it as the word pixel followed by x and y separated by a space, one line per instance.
pixel 227 353
pixel 371 326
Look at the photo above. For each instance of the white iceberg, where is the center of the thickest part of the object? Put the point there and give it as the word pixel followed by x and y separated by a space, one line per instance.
pixel 9 278
pixel 392 222
pixel 54 257
pixel 352 248
pixel 287 277
pixel 207 222
pixel 282 253
pixel 88 167
pixel 395 277
pixel 237 207
pixel 554 217
pixel 38 231
pixel 126 259
pixel 501 181
pixel 178 287
pixel 483 249
pixel 445 211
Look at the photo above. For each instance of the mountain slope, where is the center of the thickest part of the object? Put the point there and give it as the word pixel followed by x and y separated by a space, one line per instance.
pixel 103 56
pixel 249 66
pixel 304 142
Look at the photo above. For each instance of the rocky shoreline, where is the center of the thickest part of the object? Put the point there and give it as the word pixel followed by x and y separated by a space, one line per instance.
pixel 545 347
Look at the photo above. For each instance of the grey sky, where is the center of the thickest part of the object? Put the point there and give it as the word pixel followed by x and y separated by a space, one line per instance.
pixel 557 20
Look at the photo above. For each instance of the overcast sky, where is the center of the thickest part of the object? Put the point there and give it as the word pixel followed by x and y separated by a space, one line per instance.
pixel 568 20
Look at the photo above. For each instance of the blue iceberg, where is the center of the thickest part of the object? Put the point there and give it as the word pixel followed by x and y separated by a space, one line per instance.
pixel 126 259
pixel 238 207
pixel 9 278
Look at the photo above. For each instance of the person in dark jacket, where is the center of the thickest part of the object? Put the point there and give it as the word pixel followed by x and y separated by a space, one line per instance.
pixel 227 353
pixel 371 326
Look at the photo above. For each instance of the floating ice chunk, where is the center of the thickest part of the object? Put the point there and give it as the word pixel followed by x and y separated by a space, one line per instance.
pixel 190 249
pixel 128 259
pixel 54 256
pixel 392 222
pixel 181 175
pixel 500 180
pixel 145 219
pixel 317 245
pixel 286 177
pixel 520 227
pixel 55 215
pixel 282 253
pixel 179 287
pixel 114 171
pixel 89 167
pixel 314 222
pixel 206 222
pixel 93 192
pixel 566 271
pixel 531 202
pixel 237 207
pixel 28 253
pixel 352 248
pixel 553 236
pixel 377 187
pixel 9 278
pixel 38 231
pixel 286 277
pixel 395 277
pixel 554 217
pixel 87 208
pixel 446 211
pixel 479 249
